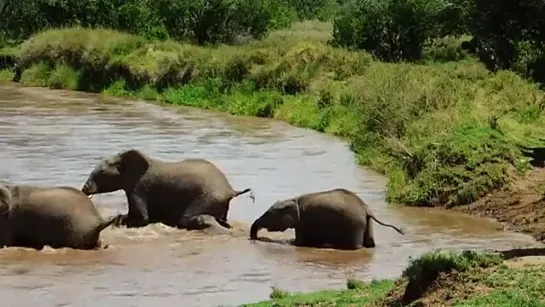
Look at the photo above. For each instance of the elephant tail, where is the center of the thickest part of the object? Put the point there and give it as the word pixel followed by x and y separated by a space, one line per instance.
pixel 252 196
pixel 113 220
pixel 387 225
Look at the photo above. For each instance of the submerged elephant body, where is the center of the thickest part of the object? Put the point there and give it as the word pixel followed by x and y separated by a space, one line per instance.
pixel 337 217
pixel 35 216
pixel 189 194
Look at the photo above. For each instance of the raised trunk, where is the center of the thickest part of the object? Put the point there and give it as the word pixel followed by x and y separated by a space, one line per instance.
pixel 254 229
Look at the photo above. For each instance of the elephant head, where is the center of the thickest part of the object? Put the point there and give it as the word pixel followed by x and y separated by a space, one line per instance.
pixel 116 172
pixel 279 217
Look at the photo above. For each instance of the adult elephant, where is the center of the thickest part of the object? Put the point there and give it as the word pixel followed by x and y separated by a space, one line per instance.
pixel 337 217
pixel 35 216
pixel 189 194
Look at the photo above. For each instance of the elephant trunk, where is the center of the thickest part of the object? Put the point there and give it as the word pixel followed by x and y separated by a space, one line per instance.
pixel 256 226
pixel 89 187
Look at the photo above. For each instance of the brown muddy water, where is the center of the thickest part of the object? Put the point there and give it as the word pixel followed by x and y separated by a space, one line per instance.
pixel 56 137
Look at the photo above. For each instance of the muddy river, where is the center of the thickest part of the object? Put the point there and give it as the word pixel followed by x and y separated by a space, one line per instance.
pixel 56 137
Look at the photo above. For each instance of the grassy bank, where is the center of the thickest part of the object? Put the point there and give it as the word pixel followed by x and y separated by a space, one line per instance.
pixel 438 278
pixel 443 133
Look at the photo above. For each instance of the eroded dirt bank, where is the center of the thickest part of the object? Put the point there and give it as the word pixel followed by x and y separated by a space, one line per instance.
pixel 520 205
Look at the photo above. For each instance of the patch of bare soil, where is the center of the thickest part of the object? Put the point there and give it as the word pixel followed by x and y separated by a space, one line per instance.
pixel 525 261
pixel 520 205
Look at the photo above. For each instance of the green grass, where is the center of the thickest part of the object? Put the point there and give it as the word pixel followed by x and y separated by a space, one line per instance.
pixel 8 57
pixel 507 287
pixel 6 74
pixel 445 132
pixel 365 293
pixel 459 279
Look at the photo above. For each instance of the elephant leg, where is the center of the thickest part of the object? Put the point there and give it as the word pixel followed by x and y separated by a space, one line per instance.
pixel 5 238
pixel 198 216
pixel 348 239
pixel 222 219
pixel 203 222
pixel 138 212
pixel 368 235
pixel 223 222
pixel 22 241
pixel 304 239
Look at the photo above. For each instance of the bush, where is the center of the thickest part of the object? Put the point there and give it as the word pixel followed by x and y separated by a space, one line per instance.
pixel 446 49
pixel 509 35
pixel 432 263
pixel 394 30
pixel 317 9
pixel 424 271
pixel 198 21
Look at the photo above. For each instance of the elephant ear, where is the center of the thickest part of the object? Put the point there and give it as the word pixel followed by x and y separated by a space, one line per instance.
pixel 133 164
pixel 290 211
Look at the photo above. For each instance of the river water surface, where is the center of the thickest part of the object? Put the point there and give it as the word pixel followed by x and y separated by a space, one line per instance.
pixel 56 137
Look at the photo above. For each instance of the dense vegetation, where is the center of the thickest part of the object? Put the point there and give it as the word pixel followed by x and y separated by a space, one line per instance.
pixel 196 21
pixel 400 79
pixel 436 278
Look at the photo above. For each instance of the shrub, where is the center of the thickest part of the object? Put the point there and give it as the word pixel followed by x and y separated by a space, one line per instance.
pixel 394 30
pixel 509 35
pixel 317 9
pixel 432 263
pixel 198 21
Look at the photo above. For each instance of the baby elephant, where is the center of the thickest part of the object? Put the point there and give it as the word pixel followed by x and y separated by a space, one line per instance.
pixel 338 218
pixel 33 216
pixel 189 194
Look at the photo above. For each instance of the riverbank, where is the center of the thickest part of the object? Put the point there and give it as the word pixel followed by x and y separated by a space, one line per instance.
pixel 440 278
pixel 445 134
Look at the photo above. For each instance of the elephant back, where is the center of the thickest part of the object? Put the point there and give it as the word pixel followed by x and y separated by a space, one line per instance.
pixel 60 207
pixel 198 175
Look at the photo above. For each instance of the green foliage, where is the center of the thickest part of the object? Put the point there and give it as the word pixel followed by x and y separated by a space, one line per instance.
pixel 317 9
pixel 277 293
pixel 446 49
pixel 507 286
pixel 198 21
pixel 64 77
pixel 504 34
pixel 429 265
pixel 509 35
pixel 465 152
pixel 394 30
pixel 353 284
pixel 366 294
pixel 6 74
pixel 8 57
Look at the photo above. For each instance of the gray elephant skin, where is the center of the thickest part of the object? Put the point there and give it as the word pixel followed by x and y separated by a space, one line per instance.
pixel 36 216
pixel 191 194
pixel 337 218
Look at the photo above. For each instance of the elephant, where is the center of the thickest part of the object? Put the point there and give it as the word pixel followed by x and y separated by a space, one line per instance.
pixel 336 218
pixel 191 194
pixel 58 216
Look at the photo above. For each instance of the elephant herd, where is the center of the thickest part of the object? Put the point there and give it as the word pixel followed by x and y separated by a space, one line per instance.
pixel 191 194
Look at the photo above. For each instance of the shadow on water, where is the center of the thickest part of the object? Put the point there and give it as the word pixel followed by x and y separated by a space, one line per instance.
pixel 56 137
